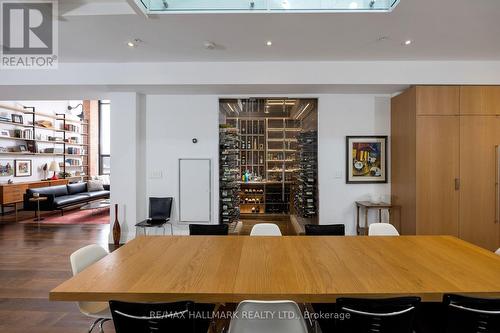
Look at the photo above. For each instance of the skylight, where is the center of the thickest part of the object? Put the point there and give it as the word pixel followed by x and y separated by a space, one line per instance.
pixel 278 6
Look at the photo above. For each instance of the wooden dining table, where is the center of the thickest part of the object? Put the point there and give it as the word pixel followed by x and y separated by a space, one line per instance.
pixel 213 269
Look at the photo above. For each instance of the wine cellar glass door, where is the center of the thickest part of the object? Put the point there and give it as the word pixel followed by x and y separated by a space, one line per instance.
pixel 265 159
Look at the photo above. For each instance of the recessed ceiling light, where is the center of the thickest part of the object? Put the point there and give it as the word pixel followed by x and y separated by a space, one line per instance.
pixel 353 5
pixel 134 42
pixel 209 45
pixel 269 43
pixel 408 42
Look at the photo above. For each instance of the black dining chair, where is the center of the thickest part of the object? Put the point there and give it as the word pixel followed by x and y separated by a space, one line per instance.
pixel 152 317
pixel 468 314
pixel 209 229
pixel 390 315
pixel 160 210
pixel 325 229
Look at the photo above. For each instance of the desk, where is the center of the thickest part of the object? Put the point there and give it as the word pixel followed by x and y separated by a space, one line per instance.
pixel 305 269
pixel 367 205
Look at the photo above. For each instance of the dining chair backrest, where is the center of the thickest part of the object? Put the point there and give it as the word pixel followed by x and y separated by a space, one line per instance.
pixel 468 314
pixel 81 259
pixel 208 229
pixel 265 229
pixel 152 317
pixel 325 229
pixel 272 317
pixel 160 208
pixel 382 229
pixel 391 315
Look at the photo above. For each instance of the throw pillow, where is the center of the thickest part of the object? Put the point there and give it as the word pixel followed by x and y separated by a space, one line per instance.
pixel 94 185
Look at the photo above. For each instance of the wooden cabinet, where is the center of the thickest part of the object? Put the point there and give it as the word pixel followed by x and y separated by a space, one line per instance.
pixel 437 100
pixel 479 137
pixel 437 171
pixel 480 100
pixel 445 165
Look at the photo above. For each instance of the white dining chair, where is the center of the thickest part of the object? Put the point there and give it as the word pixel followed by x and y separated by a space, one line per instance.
pixel 265 229
pixel 268 317
pixel 498 252
pixel 81 259
pixel 382 229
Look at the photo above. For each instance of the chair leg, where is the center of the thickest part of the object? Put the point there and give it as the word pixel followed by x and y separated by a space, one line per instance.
pixel 101 330
pixel 94 324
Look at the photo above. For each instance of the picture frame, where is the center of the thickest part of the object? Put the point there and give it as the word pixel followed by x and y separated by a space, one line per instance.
pixel 6 168
pixel 5 133
pixel 17 118
pixel 23 168
pixel 366 159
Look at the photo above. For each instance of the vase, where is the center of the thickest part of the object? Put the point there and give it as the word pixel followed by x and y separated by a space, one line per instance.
pixel 116 228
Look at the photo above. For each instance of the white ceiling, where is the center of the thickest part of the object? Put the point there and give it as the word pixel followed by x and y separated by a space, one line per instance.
pixel 441 30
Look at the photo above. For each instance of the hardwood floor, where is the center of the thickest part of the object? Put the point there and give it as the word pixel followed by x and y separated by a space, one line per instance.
pixel 35 260
pixel 32 262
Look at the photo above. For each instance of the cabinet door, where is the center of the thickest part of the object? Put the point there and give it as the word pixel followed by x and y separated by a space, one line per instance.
pixel 480 100
pixel 438 100
pixel 479 136
pixel 437 171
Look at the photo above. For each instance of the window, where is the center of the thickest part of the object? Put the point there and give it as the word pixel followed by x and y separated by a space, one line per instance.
pixel 104 137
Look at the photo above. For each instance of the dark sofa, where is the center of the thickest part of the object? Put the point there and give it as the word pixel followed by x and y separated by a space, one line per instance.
pixel 63 196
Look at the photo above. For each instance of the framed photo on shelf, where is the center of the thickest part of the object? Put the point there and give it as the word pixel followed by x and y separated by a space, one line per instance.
pixel 22 168
pixel 5 133
pixel 366 159
pixel 6 168
pixel 17 118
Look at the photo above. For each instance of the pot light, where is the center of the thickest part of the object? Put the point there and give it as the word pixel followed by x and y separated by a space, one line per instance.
pixel 269 43
pixel 408 42
pixel 131 44
pixel 134 42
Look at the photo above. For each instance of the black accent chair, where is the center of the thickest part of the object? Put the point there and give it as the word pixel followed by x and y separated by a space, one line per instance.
pixel 160 210
pixel 468 314
pixel 63 196
pixel 391 315
pixel 208 229
pixel 152 317
pixel 325 229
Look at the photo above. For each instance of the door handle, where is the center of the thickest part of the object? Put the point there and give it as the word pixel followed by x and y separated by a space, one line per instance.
pixel 457 184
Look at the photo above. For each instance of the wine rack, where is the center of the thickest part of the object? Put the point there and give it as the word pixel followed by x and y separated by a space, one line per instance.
pixel 229 143
pixel 305 200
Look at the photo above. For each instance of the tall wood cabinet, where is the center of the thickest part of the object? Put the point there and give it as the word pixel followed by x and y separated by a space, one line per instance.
pixel 445 162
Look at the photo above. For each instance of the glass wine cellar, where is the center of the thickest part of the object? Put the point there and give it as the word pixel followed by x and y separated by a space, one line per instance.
pixel 268 158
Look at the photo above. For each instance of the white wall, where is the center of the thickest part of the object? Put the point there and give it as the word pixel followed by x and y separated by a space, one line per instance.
pixel 172 121
pixel 126 163
pixel 340 116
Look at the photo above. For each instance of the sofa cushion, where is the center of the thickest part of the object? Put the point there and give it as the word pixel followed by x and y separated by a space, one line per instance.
pixel 94 185
pixel 66 200
pixel 77 188
pixel 96 194
pixel 57 191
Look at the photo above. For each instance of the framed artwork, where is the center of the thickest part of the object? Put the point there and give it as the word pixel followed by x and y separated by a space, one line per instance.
pixel 22 168
pixel 6 168
pixel 366 158
pixel 16 118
